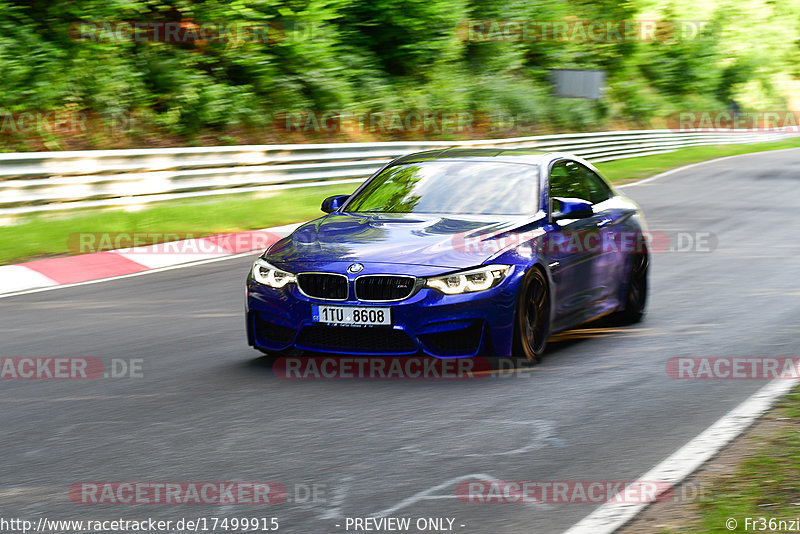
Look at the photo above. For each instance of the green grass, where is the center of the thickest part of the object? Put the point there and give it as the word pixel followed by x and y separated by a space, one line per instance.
pixel 49 234
pixel 765 483
pixel 44 235
pixel 626 170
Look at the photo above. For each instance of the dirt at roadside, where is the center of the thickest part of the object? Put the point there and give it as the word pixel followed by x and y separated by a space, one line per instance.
pixel 680 514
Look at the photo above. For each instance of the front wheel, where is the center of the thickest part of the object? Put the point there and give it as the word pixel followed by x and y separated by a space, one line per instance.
pixel 532 326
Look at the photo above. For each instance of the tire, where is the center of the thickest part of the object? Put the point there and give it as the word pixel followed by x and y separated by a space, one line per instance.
pixel 532 317
pixel 636 292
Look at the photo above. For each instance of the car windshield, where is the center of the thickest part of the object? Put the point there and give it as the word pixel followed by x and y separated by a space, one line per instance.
pixel 452 187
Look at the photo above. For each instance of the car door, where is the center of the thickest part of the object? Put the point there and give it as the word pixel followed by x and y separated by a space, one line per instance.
pixel 609 263
pixel 574 247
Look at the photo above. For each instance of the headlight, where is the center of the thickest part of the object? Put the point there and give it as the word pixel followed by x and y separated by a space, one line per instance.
pixel 271 276
pixel 479 279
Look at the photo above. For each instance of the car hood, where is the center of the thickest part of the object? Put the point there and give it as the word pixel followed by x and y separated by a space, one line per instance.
pixel 448 241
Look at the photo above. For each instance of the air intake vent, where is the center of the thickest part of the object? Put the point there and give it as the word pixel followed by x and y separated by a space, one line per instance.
pixel 323 285
pixel 380 288
pixel 355 340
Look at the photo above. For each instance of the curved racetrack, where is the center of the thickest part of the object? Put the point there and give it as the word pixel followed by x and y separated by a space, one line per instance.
pixel 599 407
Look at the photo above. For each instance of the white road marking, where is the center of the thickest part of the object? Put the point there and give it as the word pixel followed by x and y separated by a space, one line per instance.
pixel 611 516
pixel 543 433
pixel 429 494
pixel 673 470
pixel 334 511
pixel 156 261
pixel 17 278
pixel 161 269
pixel 19 281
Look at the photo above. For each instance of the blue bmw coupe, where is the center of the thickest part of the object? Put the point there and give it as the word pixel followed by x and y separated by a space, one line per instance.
pixel 454 253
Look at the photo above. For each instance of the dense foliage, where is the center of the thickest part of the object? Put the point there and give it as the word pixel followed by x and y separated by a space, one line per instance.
pixel 376 55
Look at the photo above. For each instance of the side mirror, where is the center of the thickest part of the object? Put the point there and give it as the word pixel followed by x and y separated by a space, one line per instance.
pixel 572 208
pixel 333 203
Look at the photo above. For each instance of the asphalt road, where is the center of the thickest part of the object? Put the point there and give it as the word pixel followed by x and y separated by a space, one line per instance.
pixel 207 408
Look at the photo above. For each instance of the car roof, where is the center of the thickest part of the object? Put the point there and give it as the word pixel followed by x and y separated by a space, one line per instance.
pixel 514 155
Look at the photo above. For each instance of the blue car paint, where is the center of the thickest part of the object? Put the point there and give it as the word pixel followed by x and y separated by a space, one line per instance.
pixel 582 286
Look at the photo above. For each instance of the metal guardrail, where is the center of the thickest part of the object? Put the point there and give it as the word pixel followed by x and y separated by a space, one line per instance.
pixel 45 181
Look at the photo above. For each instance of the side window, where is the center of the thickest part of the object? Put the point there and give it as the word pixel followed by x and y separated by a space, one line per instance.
pixel 598 190
pixel 565 181
pixel 559 180
pixel 570 179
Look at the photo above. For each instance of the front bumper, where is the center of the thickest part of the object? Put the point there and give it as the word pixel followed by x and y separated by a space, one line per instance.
pixel 443 326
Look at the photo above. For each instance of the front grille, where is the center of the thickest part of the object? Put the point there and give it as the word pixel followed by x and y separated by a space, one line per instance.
pixel 384 288
pixel 272 334
pixel 351 339
pixel 323 285
pixel 460 342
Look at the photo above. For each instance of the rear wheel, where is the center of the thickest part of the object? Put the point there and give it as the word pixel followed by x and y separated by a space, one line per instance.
pixel 532 326
pixel 636 297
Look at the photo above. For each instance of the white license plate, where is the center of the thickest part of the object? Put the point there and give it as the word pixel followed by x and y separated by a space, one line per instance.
pixel 352 315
